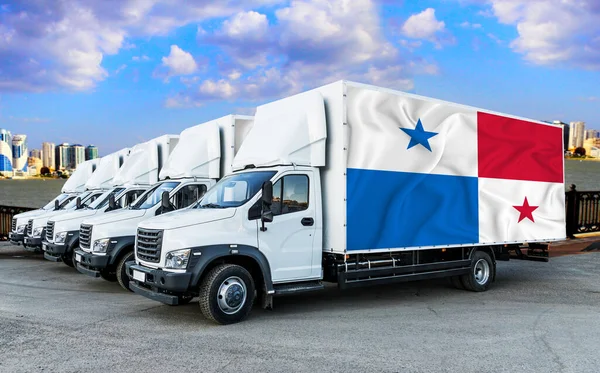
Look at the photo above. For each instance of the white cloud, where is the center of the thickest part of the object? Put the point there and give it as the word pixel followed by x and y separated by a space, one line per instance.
pixel 426 26
pixel 61 44
pixel 469 25
pixel 245 25
pixel 143 58
pixel 345 40
pixel 179 62
pixel 553 31
pixel 120 68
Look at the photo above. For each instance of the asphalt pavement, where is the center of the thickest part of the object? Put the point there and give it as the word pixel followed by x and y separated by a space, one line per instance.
pixel 537 317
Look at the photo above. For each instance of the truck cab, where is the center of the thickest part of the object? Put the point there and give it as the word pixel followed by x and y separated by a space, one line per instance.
pixel 73 187
pixel 20 221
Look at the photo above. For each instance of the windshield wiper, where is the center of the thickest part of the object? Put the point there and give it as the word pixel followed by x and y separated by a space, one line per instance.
pixel 212 206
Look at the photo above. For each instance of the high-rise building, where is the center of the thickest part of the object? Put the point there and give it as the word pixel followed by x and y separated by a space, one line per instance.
pixel 591 134
pixel 6 157
pixel 35 153
pixel 78 154
pixel 62 155
pixel 48 155
pixel 91 152
pixel 20 153
pixel 576 135
pixel 566 131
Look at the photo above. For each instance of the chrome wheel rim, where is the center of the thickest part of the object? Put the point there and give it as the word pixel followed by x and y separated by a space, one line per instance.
pixel 481 271
pixel 231 296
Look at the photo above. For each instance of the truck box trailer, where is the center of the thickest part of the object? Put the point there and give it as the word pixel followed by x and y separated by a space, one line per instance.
pixel 360 185
pixel 202 156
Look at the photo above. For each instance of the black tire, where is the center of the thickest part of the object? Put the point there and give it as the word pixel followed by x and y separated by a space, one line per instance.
pixel 456 282
pixel 108 275
pixel 122 277
pixel 69 259
pixel 235 278
pixel 477 279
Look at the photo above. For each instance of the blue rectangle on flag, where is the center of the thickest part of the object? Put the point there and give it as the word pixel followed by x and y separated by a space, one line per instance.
pixel 387 209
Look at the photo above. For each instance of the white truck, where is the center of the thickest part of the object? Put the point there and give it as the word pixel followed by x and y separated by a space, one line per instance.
pixel 202 156
pixel 106 167
pixel 139 170
pixel 74 187
pixel 359 185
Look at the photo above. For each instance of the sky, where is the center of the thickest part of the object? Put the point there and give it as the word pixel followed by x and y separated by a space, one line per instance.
pixel 118 72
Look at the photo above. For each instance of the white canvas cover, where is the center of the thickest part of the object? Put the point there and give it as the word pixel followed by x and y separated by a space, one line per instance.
pixel 106 170
pixel 207 150
pixel 143 164
pixel 289 131
pixel 76 182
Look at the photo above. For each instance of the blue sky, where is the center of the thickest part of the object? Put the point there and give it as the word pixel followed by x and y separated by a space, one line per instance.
pixel 115 73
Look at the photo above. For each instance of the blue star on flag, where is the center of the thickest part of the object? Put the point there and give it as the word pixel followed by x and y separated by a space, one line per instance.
pixel 419 136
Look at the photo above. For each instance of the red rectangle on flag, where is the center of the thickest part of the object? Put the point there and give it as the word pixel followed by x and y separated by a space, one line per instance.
pixel 519 150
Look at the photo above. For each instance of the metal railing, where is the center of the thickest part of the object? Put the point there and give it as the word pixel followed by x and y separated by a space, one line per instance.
pixel 6 215
pixel 582 211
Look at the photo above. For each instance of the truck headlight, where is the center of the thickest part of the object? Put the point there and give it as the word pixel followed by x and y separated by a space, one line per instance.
pixel 21 228
pixel 60 237
pixel 100 246
pixel 37 232
pixel 177 259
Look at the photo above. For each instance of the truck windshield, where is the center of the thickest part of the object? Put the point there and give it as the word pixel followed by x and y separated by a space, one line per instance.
pixel 154 195
pixel 234 190
pixel 73 203
pixel 60 199
pixel 103 199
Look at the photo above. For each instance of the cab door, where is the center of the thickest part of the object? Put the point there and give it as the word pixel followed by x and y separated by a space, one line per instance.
pixel 288 240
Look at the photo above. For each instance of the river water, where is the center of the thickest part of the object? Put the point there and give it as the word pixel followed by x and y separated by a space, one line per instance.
pixel 36 192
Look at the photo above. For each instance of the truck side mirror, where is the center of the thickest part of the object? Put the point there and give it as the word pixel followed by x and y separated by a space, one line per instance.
pixel 111 202
pixel 266 215
pixel 78 202
pixel 56 205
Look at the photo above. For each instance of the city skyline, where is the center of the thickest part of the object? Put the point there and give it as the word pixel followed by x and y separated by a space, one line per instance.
pixel 16 156
pixel 176 64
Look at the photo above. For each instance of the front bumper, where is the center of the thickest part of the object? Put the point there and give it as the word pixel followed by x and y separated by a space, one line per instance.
pixel 16 238
pixel 32 242
pixel 54 252
pixel 90 264
pixel 159 285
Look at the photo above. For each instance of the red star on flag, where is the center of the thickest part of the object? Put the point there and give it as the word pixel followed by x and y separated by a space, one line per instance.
pixel 526 211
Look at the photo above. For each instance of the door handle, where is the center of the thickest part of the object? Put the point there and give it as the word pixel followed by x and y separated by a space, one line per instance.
pixel 308 222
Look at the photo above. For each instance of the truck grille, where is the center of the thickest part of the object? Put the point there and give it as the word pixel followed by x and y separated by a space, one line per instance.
pixel 50 231
pixel 14 225
pixel 85 236
pixel 30 227
pixel 149 243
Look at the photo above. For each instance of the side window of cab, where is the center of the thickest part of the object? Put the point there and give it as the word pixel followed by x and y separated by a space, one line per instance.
pixel 187 195
pixel 290 194
pixel 129 197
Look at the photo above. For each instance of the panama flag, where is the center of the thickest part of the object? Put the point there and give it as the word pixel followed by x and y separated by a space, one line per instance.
pixel 426 173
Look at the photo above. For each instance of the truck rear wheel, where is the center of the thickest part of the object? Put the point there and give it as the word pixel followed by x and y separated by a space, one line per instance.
pixel 482 272
pixel 227 294
pixel 122 277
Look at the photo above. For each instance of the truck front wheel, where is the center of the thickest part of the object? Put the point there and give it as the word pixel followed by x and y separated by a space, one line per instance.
pixel 69 258
pixel 227 294
pixel 482 272
pixel 122 277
